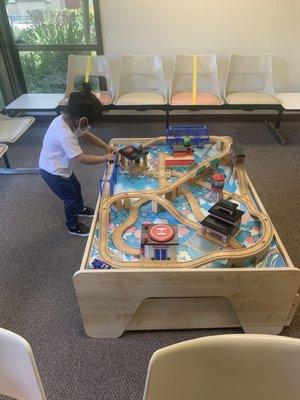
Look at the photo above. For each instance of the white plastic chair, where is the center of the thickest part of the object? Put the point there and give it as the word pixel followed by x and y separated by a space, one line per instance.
pixel 289 101
pixel 227 367
pixel 141 81
pixel 100 67
pixel 19 377
pixel 11 129
pixel 208 92
pixel 250 80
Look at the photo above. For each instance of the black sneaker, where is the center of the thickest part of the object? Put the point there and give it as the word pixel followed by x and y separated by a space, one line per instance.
pixel 80 230
pixel 87 212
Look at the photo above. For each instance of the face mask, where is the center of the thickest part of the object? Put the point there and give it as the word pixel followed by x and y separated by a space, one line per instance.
pixel 83 127
pixel 80 131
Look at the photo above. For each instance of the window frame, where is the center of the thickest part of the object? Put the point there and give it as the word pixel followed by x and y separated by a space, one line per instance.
pixel 97 47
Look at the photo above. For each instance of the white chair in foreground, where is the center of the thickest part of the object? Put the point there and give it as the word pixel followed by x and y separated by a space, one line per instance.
pixel 204 68
pixel 227 367
pixel 100 67
pixel 141 81
pixel 250 80
pixel 11 129
pixel 19 377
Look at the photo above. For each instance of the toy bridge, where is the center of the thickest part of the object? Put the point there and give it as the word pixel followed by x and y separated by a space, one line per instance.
pixel 198 134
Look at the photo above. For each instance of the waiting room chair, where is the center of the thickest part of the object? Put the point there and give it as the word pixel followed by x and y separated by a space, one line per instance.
pixel 289 101
pixel 11 129
pixel 141 81
pixel 226 367
pixel 100 67
pixel 19 377
pixel 207 90
pixel 250 80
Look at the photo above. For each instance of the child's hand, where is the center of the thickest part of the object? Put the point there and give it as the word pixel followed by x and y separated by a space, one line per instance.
pixel 109 157
pixel 113 149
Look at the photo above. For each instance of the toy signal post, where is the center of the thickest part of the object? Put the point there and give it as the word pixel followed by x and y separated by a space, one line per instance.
pixel 217 185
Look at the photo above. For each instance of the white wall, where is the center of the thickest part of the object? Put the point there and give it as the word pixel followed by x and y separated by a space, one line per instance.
pixel 169 27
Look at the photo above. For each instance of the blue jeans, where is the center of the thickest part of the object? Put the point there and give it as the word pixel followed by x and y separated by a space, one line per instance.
pixel 69 191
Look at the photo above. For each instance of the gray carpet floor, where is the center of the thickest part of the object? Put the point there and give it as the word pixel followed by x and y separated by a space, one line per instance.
pixel 38 259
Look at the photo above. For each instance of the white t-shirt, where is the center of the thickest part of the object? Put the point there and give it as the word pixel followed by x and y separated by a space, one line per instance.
pixel 60 147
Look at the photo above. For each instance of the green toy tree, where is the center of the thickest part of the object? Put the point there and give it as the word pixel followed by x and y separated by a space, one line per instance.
pixel 200 171
pixel 215 164
pixel 186 141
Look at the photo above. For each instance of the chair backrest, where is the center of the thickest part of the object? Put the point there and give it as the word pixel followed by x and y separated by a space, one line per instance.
pixel 207 74
pixel 250 73
pixel 19 377
pixel 141 73
pixel 77 65
pixel 227 367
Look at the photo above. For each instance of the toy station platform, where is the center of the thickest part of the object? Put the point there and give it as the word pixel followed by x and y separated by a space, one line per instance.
pixel 130 280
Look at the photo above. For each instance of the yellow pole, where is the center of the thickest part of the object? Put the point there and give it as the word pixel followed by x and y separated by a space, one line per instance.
pixel 195 76
pixel 88 69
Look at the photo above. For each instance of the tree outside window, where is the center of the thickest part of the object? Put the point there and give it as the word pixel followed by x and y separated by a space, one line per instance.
pixel 73 23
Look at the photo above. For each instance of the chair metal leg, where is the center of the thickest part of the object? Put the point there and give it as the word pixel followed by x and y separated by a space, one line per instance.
pixel 278 119
pixel 275 129
pixel 6 162
pixel 16 171
pixel 167 119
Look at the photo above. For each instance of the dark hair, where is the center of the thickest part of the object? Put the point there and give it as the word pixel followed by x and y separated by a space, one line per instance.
pixel 86 88
pixel 84 104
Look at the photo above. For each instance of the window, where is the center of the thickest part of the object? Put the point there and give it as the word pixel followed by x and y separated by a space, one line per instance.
pixel 160 254
pixel 46 71
pixel 52 22
pixel 46 32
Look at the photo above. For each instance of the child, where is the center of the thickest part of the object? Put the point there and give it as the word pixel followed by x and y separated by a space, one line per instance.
pixel 61 149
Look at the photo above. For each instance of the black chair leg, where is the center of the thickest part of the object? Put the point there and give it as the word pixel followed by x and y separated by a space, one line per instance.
pixel 275 129
pixel 167 119
pixel 6 162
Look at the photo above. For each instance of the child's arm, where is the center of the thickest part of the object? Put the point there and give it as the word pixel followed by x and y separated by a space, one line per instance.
pixel 92 160
pixel 91 138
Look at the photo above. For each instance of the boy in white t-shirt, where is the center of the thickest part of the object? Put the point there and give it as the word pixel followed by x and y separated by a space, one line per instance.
pixel 61 148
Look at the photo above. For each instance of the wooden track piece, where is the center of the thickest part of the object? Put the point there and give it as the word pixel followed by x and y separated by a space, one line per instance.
pixel 261 300
pixel 235 257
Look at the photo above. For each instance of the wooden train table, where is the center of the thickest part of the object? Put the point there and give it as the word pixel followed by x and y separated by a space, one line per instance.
pixel 174 245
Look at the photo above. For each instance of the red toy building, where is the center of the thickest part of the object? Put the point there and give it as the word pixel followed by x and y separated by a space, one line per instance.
pixel 181 155
pixel 159 242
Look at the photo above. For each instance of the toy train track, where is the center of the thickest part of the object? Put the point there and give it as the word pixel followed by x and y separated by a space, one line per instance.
pixel 234 253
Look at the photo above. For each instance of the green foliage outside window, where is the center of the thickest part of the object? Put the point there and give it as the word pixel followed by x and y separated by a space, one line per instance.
pixel 45 71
